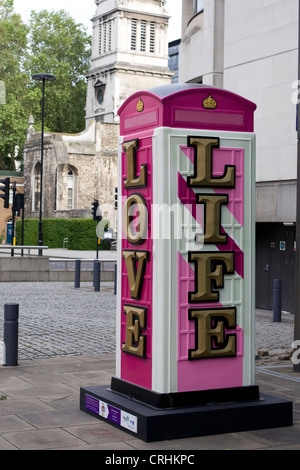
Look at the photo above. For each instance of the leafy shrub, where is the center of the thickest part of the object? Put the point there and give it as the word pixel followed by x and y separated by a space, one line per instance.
pixel 81 233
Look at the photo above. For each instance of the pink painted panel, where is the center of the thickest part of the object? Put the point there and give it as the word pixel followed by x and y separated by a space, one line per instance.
pixel 141 120
pixel 222 157
pixel 208 374
pixel 135 369
pixel 235 157
pixel 204 374
pixel 187 198
pixel 132 120
pixel 205 119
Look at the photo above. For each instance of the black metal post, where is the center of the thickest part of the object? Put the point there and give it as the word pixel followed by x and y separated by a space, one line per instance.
pixel 296 367
pixel 77 273
pixel 43 77
pixel 13 217
pixel 97 275
pixel 97 248
pixel 11 334
pixel 115 281
pixel 23 220
pixel 42 167
pixel 277 294
pixel 94 271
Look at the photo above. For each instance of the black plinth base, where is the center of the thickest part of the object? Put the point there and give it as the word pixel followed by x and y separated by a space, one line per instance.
pixel 181 399
pixel 151 423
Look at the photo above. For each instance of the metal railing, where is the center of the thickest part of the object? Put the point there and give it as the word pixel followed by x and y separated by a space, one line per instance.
pixel 66 261
pixel 21 248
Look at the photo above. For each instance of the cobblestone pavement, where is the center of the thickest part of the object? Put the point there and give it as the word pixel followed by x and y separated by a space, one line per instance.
pixel 55 319
pixel 273 336
pixel 273 340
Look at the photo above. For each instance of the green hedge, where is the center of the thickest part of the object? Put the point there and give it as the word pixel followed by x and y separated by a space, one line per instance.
pixel 81 233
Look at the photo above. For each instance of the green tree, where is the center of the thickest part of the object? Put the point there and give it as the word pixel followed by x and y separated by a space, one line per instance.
pixel 59 46
pixel 53 43
pixel 13 118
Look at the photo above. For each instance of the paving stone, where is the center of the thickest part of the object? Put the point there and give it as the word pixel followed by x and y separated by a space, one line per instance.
pixel 5 445
pixel 42 439
pixel 13 423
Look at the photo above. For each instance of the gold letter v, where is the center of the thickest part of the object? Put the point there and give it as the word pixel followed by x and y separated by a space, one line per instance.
pixel 135 276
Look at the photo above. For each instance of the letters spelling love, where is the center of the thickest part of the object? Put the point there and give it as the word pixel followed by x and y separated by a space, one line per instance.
pixel 210 266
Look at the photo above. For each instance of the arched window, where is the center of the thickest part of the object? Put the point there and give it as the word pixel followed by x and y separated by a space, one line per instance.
pixel 37 187
pixel 70 204
pixel 66 188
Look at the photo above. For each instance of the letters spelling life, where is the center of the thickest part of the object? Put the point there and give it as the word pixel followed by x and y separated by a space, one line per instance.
pixel 210 266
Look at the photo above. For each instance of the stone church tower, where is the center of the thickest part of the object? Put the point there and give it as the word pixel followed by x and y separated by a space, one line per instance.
pixel 129 53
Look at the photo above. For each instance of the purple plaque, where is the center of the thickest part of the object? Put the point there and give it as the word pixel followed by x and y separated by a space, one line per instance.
pixel 92 404
pixel 114 415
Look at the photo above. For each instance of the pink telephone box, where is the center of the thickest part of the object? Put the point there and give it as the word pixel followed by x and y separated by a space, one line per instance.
pixel 187 167
pixel 186 301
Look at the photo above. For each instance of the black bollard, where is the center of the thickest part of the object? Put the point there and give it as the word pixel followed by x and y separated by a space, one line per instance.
pixel 11 334
pixel 77 273
pixel 94 271
pixel 115 282
pixel 97 275
pixel 277 289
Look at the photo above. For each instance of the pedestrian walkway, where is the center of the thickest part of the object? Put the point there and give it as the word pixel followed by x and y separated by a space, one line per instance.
pixel 41 410
pixel 67 341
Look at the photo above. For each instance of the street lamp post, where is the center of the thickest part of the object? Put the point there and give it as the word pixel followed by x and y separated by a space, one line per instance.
pixel 49 78
pixel 296 367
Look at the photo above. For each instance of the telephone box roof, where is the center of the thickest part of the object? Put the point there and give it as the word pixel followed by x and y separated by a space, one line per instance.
pixel 187 105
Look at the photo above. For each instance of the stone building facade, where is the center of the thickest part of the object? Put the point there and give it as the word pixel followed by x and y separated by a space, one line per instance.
pixel 129 53
pixel 78 169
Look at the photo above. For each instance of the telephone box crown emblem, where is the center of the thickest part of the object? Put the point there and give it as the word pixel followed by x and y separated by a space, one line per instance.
pixel 140 106
pixel 209 103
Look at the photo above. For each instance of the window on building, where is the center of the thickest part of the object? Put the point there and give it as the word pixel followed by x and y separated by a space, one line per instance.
pixel 143 35
pixel 133 34
pixel 70 204
pixel 100 38
pixel 109 29
pixel 37 187
pixel 105 36
pixel 152 37
pixel 173 62
pixel 66 188
pixel 198 5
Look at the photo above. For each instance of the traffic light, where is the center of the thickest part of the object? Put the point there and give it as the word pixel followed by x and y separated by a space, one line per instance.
pixel 19 203
pixel 5 190
pixel 95 206
pixel 116 198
